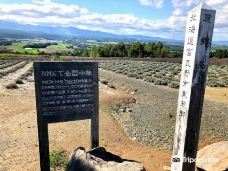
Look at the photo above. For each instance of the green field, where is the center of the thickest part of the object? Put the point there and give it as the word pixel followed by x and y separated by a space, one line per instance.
pixel 57 48
pixel 18 48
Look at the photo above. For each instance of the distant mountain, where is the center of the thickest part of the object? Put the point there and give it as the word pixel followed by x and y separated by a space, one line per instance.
pixel 221 43
pixel 20 31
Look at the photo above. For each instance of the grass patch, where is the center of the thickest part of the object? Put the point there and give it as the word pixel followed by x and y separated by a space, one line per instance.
pixel 17 48
pixel 58 159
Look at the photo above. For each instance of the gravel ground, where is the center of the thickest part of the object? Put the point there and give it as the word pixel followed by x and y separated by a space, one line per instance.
pixel 151 119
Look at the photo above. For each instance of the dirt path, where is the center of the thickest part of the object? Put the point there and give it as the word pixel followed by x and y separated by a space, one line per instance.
pixel 11 77
pixel 19 140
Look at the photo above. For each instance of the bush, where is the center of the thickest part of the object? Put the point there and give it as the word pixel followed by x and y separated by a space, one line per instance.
pixel 158 75
pixel 157 81
pixel 174 84
pixel 12 86
pixel 131 75
pixel 164 82
pixel 104 82
pixel 19 81
pixel 171 115
pixel 150 79
pixel 111 86
pixel 139 77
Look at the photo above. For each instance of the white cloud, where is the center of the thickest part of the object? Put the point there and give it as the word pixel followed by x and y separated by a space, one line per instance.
pixel 50 13
pixel 184 3
pixel 152 3
pixel 47 12
pixel 181 7
pixel 178 11
pixel 216 2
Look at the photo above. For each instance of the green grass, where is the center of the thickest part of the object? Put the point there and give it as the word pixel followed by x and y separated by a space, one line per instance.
pixel 56 48
pixel 59 46
pixel 17 47
pixel 58 159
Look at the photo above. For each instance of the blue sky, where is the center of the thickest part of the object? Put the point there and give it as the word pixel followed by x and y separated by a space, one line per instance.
pixel 157 18
pixel 123 6
pixel 115 6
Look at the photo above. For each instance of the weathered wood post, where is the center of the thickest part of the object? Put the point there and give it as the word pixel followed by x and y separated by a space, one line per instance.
pixel 197 48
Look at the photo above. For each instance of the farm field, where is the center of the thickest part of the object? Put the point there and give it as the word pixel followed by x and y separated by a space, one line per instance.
pixel 164 73
pixel 139 114
pixel 19 47
pixel 56 48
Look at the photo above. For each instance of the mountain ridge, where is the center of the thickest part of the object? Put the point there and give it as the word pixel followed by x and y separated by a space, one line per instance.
pixel 65 32
pixel 27 31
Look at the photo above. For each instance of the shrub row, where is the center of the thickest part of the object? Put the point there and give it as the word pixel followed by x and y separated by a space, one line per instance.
pixel 164 73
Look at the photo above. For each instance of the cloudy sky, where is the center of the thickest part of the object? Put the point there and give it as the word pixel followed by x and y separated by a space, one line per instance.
pixel 157 18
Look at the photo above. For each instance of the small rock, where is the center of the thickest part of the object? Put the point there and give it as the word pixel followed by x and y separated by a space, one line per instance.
pixel 134 138
pixel 129 110
pixel 123 109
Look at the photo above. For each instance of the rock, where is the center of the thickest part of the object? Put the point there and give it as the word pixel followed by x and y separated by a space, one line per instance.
pixel 129 110
pixel 99 159
pixel 123 109
pixel 134 138
pixel 217 156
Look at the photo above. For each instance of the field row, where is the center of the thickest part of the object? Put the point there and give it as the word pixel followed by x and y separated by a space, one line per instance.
pixel 159 73
pixel 164 73
pixel 12 68
pixel 14 72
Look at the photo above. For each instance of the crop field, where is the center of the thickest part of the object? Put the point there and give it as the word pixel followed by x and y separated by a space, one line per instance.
pixel 19 47
pixel 14 72
pixel 164 73
pixel 56 48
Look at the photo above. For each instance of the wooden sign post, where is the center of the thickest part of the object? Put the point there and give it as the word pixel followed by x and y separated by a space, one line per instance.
pixel 197 48
pixel 65 91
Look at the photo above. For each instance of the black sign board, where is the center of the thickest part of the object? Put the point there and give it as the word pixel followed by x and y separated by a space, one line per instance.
pixel 65 91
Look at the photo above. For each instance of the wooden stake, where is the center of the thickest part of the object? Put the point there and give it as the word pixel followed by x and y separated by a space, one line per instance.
pixel 197 48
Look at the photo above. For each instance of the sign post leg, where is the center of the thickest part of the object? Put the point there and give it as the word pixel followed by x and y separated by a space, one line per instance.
pixel 94 133
pixel 95 117
pixel 44 147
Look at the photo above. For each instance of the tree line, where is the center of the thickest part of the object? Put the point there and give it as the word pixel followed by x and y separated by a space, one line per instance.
pixel 220 53
pixel 135 50
pixel 39 45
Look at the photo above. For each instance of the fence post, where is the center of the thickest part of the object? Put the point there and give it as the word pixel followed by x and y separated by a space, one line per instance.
pixel 197 48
